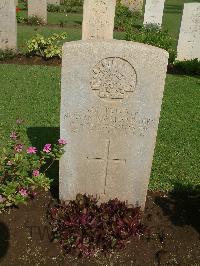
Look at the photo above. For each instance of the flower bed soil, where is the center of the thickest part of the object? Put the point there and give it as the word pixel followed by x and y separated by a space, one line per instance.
pixel 36 60
pixel 173 221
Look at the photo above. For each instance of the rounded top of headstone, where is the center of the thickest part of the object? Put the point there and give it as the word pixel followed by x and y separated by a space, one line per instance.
pixel 118 44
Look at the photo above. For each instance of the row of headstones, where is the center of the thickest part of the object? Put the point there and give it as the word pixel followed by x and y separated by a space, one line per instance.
pixel 39 8
pixel 189 38
pixel 8 23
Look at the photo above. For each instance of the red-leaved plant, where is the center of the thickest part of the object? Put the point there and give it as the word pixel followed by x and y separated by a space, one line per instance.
pixel 84 227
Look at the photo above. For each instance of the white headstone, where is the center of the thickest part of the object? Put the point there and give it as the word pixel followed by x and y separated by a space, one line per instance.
pixel 110 107
pixel 98 19
pixel 38 8
pixel 53 2
pixel 133 5
pixel 189 38
pixel 8 25
pixel 154 12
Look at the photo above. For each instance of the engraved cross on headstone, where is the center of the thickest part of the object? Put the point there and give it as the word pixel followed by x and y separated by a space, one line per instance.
pixel 108 160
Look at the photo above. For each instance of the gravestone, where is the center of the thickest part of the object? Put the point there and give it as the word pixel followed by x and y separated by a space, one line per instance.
pixel 8 25
pixel 98 19
pixel 38 8
pixel 133 5
pixel 53 2
pixel 110 106
pixel 16 2
pixel 189 37
pixel 154 12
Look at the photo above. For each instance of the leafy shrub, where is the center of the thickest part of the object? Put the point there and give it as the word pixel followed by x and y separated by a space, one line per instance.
pixel 23 4
pixel 7 54
pixel 124 17
pixel 152 35
pixel 19 18
pixel 23 168
pixel 35 20
pixel 83 227
pixel 46 47
pixel 73 6
pixel 191 67
pixel 56 8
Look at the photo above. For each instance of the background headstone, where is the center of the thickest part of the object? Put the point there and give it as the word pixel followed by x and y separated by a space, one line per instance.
pixel 8 25
pixel 189 38
pixel 16 2
pixel 53 2
pixel 98 19
pixel 38 8
pixel 110 107
pixel 134 5
pixel 154 12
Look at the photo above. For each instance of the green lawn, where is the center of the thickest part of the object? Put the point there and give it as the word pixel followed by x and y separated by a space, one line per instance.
pixel 172 17
pixel 33 94
pixel 72 24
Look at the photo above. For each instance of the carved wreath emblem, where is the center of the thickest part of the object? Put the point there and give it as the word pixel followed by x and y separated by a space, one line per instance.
pixel 113 78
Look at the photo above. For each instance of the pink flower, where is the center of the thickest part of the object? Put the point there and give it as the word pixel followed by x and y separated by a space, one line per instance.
pixel 19 121
pixel 62 141
pixel 13 135
pixel 32 150
pixel 19 147
pixel 36 172
pixel 23 192
pixel 2 199
pixel 47 148
pixel 9 163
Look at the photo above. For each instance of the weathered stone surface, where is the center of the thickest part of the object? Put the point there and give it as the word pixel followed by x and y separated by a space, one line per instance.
pixel 189 38
pixel 154 12
pixel 110 106
pixel 38 8
pixel 53 2
pixel 134 5
pixel 8 25
pixel 98 19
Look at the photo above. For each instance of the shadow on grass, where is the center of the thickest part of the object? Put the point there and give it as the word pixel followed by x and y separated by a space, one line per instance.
pixel 173 9
pixel 4 240
pixel 39 136
pixel 78 22
pixel 182 206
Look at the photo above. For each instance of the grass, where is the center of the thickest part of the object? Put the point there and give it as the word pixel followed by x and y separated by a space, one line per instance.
pixel 72 19
pixel 72 27
pixel 36 99
pixel 72 24
pixel 177 154
pixel 172 17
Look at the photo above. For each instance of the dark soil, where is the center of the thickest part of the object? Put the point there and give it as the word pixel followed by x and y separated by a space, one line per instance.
pixel 173 221
pixel 34 60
